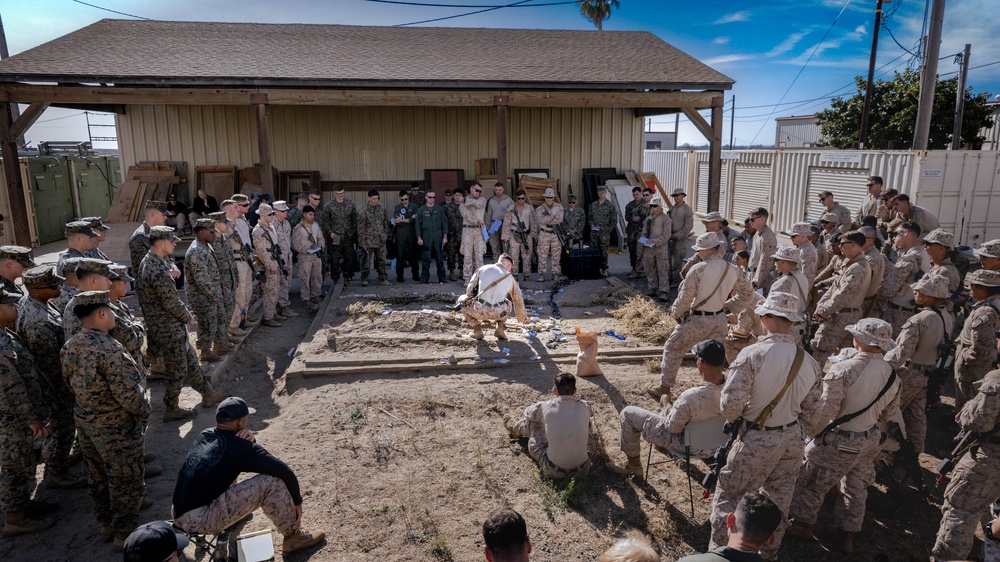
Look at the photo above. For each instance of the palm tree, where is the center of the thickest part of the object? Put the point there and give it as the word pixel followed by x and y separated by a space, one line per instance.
pixel 597 10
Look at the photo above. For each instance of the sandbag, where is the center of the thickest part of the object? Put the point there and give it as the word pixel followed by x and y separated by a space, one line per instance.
pixel 586 360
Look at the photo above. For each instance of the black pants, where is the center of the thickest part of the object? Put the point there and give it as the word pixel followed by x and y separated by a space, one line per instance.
pixel 407 253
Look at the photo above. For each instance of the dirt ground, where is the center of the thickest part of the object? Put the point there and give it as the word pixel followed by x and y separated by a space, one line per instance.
pixel 405 466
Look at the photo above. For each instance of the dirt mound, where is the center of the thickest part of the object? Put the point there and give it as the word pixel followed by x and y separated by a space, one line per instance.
pixel 399 321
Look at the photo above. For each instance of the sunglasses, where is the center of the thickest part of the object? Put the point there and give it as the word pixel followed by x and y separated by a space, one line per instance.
pixel 821 199
pixel 244 205
pixel 654 205
pixel 899 233
pixel 522 198
pixel 430 196
pixel 870 185
pixel 550 197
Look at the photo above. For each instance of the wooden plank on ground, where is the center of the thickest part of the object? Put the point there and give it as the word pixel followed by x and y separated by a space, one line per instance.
pixel 121 206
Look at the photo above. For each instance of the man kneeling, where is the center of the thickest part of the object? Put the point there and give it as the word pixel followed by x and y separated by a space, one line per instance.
pixel 497 295
pixel 207 502
pixel 694 404
pixel 558 430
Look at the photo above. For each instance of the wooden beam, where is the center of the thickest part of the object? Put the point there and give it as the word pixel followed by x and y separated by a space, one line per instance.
pixel 264 142
pixel 28 118
pixel 117 95
pixel 698 121
pixel 501 109
pixel 715 160
pixel 12 175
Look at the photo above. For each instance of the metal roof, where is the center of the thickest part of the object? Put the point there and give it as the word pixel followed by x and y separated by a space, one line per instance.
pixel 170 53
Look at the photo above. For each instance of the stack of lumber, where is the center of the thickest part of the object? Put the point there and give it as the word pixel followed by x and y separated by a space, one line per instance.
pixel 535 188
pixel 143 182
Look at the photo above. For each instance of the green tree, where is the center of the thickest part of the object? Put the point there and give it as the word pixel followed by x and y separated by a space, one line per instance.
pixel 597 10
pixel 894 115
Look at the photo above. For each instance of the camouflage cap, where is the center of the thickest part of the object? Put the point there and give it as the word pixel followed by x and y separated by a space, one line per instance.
pixel 799 229
pixel 92 297
pixel 933 285
pixel 91 265
pixel 828 217
pixel 202 224
pixel 984 277
pixel 9 298
pixel 549 192
pixel 69 266
pixel 941 237
pixel 41 276
pixel 219 216
pixel 781 304
pixel 712 217
pixel 97 223
pixel 162 233
pixel 873 331
pixel 20 254
pixel 302 195
pixel 280 205
pixel 989 249
pixel 160 206
pixel 602 188
pixel 706 241
pixel 676 192
pixel 571 198
pixel 787 253
pixel 265 210
pixel 120 273
pixel 656 202
pixel 79 227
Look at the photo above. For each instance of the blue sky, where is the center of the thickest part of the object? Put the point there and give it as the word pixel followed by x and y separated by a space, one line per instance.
pixel 762 45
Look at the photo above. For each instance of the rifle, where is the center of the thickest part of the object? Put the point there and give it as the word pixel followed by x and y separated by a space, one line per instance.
pixel 943 368
pixel 719 459
pixel 519 227
pixel 966 440
pixel 908 458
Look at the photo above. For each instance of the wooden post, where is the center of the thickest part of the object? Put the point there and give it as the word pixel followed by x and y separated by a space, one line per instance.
pixel 12 173
pixel 715 157
pixel 264 142
pixel 501 103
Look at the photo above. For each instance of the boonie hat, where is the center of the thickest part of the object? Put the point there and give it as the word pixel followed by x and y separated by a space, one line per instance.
pixel 20 254
pixel 162 233
pixel 41 276
pixel 549 192
pixel 232 409
pixel 787 253
pixel 153 541
pixel 781 304
pixel 873 331
pixel 265 210
pixel 280 206
pixel 706 241
pixel 933 285
pixel 96 266
pixel 676 192
pixel 941 237
pixel 989 249
pixel 799 229
pixel 828 217
pixel 656 202
pixel 712 217
pixel 984 277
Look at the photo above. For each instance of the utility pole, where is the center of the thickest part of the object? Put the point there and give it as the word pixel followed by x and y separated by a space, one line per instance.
pixel 15 111
pixel 928 77
pixel 956 134
pixel 870 88
pixel 732 119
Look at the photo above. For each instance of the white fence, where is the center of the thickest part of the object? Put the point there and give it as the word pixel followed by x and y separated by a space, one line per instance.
pixel 959 187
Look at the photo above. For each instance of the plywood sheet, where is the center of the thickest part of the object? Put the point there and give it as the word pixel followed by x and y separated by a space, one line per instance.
pixel 121 205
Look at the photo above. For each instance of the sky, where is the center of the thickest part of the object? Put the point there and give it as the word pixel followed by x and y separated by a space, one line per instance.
pixel 788 57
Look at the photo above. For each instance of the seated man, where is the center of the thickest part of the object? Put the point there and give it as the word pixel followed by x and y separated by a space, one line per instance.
pixel 694 404
pixel 558 429
pixel 496 296
pixel 207 502
pixel 506 536
pixel 178 215
pixel 157 541
pixel 749 528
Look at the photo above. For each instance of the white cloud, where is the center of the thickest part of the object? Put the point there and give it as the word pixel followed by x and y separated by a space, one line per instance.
pixel 857 35
pixel 720 40
pixel 727 59
pixel 787 45
pixel 733 17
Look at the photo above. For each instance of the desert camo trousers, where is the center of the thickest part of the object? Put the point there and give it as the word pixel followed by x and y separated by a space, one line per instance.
pixel 549 249
pixel 636 422
pixel 913 404
pixel 686 334
pixel 473 248
pixel 975 484
pixel 832 335
pixel 243 291
pixel 240 500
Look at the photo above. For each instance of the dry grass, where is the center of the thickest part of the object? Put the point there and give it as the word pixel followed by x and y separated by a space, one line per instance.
pixel 652 366
pixel 612 296
pixel 641 317
pixel 373 308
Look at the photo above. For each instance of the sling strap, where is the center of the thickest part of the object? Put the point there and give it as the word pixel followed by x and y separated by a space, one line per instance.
pixel 715 290
pixel 848 417
pixel 792 373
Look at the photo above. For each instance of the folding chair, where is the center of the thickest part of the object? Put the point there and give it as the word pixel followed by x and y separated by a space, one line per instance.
pixel 705 435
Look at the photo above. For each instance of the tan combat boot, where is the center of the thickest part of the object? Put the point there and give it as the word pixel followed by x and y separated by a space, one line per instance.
pixel 176 413
pixel 499 332
pixel 287 312
pixel 658 391
pixel 212 398
pixel 222 348
pixel 477 333
pixel 208 356
pixel 19 523
pixel 633 467
pixel 236 331
pixel 107 531
pixel 301 540
pixel 119 544
pixel 800 530
pixel 271 322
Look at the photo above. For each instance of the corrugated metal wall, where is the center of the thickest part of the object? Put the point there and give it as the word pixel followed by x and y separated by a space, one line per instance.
pixel 7 225
pixel 797 134
pixel 393 143
pixel 963 189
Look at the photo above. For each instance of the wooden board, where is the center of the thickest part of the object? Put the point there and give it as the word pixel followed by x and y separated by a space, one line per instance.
pixel 135 211
pixel 535 188
pixel 121 206
pixel 649 179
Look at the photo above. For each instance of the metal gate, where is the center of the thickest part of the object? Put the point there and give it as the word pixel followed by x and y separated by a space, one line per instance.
pixel 702 202
pixel 842 182
pixel 751 189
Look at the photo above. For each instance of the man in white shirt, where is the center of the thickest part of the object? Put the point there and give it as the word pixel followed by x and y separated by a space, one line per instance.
pixel 496 296
pixel 558 430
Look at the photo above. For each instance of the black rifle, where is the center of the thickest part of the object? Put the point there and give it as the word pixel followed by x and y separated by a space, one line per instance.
pixel 908 458
pixel 519 227
pixel 718 460
pixel 966 440
pixel 275 252
pixel 943 369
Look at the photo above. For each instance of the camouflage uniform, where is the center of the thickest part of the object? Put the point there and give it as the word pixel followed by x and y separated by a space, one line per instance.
pixel 635 219
pixel 766 459
pixel 59 303
pixel 496 210
pixel 533 426
pixel 112 408
pixel 877 264
pixel 129 332
pixel 840 307
pixel 975 482
pixel 452 250
pixel 138 246
pixel 656 260
pixel 228 275
pixel 518 236
pixel 373 229
pixel 166 324
pixel 574 222
pixel 72 253
pixel 310 266
pixel 849 386
pixel 340 219
pixel 765 243
pixel 294 217
pixel 204 294
pixel 681 223
pixel 699 285
pixel 264 238
pixel 913 358
pixel 603 220
pixel 21 404
pixel 843 215
pixel 284 231
pixel 897 288
pixel 977 348
pixel 40 327
pixel 948 269
pixel 240 242
pixel 693 405
pixel 432 228
pixel 473 245
pixel 549 246
pixel 808 262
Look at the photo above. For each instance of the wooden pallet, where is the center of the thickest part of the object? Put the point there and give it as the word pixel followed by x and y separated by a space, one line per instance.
pixel 535 188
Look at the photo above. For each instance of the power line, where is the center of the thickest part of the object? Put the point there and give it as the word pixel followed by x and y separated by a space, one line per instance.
pixel 432 20
pixel 801 70
pixel 970 68
pixel 110 10
pixel 437 5
pixel 898 44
